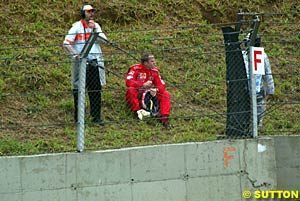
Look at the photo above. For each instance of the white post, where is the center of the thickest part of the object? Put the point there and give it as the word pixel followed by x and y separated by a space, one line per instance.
pixel 81 91
pixel 81 105
pixel 252 93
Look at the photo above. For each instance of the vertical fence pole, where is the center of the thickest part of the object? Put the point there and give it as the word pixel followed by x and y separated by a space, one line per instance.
pixel 81 105
pixel 252 80
pixel 81 91
pixel 253 95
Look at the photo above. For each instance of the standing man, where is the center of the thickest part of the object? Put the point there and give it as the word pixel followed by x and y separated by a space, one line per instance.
pixel 74 42
pixel 141 77
pixel 264 83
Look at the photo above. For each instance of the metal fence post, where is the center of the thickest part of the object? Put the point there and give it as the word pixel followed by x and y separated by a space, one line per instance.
pixel 81 105
pixel 81 91
pixel 252 80
pixel 252 95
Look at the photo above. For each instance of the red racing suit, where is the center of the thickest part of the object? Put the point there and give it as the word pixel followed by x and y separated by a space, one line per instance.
pixel 136 76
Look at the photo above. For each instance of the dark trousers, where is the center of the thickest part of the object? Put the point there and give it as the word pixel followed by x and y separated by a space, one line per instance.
pixel 93 87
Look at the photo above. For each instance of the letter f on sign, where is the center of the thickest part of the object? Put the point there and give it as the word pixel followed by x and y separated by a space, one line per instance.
pixel 256 59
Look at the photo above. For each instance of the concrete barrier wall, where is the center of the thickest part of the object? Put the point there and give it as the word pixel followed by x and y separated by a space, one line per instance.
pixel 218 170
pixel 288 162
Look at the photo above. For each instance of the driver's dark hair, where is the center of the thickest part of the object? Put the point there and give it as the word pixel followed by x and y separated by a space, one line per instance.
pixel 145 56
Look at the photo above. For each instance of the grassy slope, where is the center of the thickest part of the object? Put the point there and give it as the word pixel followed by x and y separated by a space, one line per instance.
pixel 36 18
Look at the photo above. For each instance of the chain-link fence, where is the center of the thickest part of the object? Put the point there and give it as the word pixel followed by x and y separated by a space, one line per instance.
pixel 205 75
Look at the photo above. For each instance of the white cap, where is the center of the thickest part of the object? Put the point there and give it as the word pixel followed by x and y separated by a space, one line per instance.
pixel 88 7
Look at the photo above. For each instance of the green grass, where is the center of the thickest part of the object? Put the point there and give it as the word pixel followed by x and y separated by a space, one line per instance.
pixel 35 98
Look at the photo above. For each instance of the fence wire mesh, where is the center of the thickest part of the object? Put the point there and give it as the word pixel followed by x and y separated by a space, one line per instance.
pixel 36 99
